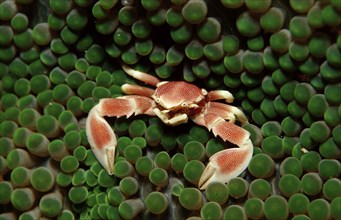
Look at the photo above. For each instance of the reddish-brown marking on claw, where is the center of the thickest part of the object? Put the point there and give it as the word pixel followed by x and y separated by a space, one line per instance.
pixel 220 109
pixel 230 160
pixel 221 106
pixel 99 133
pixel 143 104
pixel 230 132
pixel 116 107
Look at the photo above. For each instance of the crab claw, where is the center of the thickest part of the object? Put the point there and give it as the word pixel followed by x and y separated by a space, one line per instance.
pixel 102 139
pixel 101 136
pixel 227 164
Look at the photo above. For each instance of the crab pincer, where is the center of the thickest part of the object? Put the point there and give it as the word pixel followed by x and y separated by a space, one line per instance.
pixel 229 163
pixel 101 139
pixel 101 136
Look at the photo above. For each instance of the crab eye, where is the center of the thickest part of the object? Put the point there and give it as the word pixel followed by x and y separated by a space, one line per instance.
pixel 184 104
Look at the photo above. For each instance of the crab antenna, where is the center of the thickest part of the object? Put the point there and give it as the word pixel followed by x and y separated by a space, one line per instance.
pixel 144 77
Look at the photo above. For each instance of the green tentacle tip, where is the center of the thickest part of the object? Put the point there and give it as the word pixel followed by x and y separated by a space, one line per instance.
pixel 331 189
pixel 253 61
pixel 123 169
pixel 19 157
pixel 20 176
pixel 158 177
pixel 289 184
pixel 329 168
pixel 311 184
pixel 319 209
pixel 299 27
pixel 261 166
pixel 234 63
pixel 37 144
pixel 319 131
pixel 51 204
pixel 194 150
pixel 168 141
pixel 254 208
pixel 178 162
pixel 104 179
pixel 79 177
pixel 213 146
pixel 191 198
pixel 6 35
pixel 310 161
pixel 276 207
pixel 272 20
pixel 193 171
pixel 260 188
pixel 153 135
pixel 235 212
pixel 137 128
pixel 78 194
pixel 8 128
pixel 280 41
pixel 127 15
pixel 194 11
pixel 291 165
pixel 115 196
pixel 271 128
pixel 194 50
pixel 247 25
pixel 77 19
pixel 238 187
pixel 23 199
pixel 129 186
pixel 209 30
pixel 211 210
pixel 41 34
pixel 48 126
pixel 217 192
pixel 6 189
pixel 298 203
pixel 69 164
pixel 141 29
pixel 273 147
pixel 162 160
pixel 144 165
pixel 156 202
pixel 335 208
pixel 174 55
pixel 214 51
pixel 132 153
pixel 130 208
pixel 28 117
pixel 42 179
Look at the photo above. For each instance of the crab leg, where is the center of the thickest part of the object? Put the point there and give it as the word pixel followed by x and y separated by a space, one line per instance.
pixel 220 94
pixel 225 111
pixel 226 164
pixel 144 77
pixel 137 90
pixel 101 137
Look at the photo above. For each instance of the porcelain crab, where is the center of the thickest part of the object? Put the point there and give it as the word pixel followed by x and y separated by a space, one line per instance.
pixel 174 102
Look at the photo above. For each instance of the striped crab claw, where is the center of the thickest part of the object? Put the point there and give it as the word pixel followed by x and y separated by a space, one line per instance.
pixel 174 102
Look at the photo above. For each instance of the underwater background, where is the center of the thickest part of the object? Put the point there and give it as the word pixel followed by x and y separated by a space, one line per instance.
pixel 281 59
